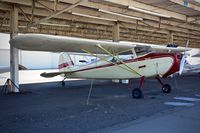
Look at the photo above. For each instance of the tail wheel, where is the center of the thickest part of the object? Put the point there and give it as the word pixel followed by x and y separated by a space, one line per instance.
pixel 166 88
pixel 63 83
pixel 137 93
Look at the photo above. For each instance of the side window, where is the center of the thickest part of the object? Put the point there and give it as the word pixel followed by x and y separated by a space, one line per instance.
pixel 140 51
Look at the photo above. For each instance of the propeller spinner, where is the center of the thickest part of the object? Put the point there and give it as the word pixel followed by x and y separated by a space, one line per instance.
pixel 182 63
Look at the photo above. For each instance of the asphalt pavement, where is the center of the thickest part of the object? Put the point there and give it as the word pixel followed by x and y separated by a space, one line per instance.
pixel 49 107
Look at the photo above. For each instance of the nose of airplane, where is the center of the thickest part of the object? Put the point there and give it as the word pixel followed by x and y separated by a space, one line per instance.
pixel 175 66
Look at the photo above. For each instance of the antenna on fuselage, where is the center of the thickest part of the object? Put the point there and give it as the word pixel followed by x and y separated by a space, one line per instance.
pixel 182 63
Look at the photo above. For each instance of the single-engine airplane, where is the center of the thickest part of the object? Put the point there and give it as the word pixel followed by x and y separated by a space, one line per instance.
pixel 191 69
pixel 158 61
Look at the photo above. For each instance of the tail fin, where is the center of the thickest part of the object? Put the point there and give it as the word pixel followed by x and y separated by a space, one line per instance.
pixel 65 62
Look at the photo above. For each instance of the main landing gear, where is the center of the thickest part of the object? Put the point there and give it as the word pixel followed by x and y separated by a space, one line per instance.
pixel 138 93
pixel 63 82
pixel 166 88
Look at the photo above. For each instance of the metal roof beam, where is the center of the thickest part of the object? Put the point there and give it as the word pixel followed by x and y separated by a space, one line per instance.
pixel 66 16
pixel 131 3
pixel 60 12
pixel 189 4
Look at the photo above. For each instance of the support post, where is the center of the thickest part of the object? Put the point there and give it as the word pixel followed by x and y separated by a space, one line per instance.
pixel 171 37
pixel 116 38
pixel 116 32
pixel 55 5
pixel 14 53
pixel 32 10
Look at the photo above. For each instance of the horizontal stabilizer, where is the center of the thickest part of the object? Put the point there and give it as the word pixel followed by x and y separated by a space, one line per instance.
pixel 52 74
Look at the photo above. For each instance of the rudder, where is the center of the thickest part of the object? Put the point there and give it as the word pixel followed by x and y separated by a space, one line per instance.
pixel 65 62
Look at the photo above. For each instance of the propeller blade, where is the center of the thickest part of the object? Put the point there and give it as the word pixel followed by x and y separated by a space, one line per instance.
pixel 182 63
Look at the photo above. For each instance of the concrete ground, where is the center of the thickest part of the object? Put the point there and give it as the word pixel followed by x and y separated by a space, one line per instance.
pixel 182 121
pixel 49 107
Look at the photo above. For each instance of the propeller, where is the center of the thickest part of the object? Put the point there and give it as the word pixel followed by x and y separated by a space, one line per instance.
pixel 182 63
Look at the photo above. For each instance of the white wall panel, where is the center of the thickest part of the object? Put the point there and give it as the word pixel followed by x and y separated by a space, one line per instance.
pixel 39 60
pixel 4 57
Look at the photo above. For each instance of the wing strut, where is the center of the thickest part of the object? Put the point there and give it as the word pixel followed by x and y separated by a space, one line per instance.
pixel 132 70
pixel 105 59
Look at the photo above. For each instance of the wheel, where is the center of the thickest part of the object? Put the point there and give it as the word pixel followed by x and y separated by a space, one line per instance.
pixel 63 83
pixel 166 88
pixel 137 93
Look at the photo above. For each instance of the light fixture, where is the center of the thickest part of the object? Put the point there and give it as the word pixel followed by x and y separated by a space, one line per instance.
pixel 21 26
pixel 58 25
pixel 24 27
pixel 89 16
pixel 121 15
pixel 148 12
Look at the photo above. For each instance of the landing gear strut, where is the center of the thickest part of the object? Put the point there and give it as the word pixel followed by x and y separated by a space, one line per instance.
pixel 166 88
pixel 137 92
pixel 63 82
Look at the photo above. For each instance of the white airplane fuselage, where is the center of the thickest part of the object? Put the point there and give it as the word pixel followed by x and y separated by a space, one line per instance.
pixel 150 65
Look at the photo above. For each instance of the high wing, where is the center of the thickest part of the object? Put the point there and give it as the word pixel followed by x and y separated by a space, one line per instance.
pixel 41 42
pixel 156 47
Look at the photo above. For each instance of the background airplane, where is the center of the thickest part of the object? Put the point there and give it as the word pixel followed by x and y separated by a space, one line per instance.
pixel 145 60
pixel 192 64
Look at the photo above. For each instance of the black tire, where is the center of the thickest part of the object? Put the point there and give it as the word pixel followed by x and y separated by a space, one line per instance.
pixel 137 93
pixel 63 83
pixel 166 88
